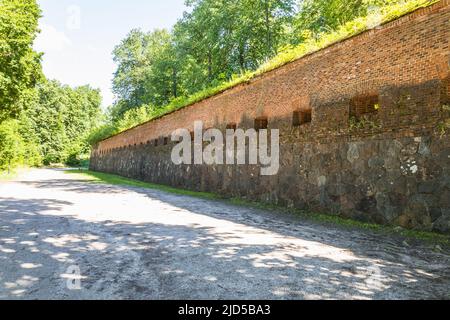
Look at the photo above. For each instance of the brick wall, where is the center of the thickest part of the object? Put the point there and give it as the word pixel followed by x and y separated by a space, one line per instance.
pixel 352 158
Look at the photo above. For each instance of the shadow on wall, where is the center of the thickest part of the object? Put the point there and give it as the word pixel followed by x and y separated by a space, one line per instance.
pixel 198 249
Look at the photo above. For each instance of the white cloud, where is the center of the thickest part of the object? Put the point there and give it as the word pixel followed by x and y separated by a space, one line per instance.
pixel 51 40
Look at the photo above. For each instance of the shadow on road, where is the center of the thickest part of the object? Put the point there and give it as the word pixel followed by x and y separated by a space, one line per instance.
pixel 213 251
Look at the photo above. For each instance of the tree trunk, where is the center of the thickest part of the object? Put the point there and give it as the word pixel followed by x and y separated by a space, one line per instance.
pixel 241 57
pixel 268 35
pixel 210 66
pixel 174 83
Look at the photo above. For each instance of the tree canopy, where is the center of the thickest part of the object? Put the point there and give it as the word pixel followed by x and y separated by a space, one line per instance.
pixel 19 64
pixel 41 121
pixel 60 118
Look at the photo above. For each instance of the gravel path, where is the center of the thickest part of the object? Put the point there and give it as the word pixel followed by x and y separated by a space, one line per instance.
pixel 133 243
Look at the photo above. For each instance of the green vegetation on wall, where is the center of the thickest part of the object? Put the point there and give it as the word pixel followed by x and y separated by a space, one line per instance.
pixel 220 44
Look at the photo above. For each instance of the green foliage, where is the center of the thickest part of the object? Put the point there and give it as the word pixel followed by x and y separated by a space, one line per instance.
pixel 365 122
pixel 101 132
pixel 211 43
pixel 147 70
pixel 220 44
pixel 11 144
pixel 319 16
pixel 77 160
pixel 61 118
pixel 134 117
pixel 15 149
pixel 53 129
pixel 345 31
pixel 129 119
pixel 40 121
pixel 19 65
pixel 98 177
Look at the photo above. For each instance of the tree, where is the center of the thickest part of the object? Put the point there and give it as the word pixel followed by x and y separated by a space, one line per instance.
pixel 148 72
pixel 11 144
pixel 132 58
pixel 60 118
pixel 268 20
pixel 317 16
pixel 211 43
pixel 40 120
pixel 19 64
pixel 162 79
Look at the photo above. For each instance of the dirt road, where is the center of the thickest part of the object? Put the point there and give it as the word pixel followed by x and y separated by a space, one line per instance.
pixel 65 238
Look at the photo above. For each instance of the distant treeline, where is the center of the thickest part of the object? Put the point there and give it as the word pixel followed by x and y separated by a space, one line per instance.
pixel 41 121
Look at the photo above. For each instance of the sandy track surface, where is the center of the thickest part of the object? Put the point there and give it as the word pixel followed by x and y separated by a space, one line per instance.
pixel 133 243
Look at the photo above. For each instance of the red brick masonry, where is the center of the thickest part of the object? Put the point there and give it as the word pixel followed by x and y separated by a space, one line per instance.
pixel 376 147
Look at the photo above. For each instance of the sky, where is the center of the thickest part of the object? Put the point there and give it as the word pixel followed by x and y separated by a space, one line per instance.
pixel 78 36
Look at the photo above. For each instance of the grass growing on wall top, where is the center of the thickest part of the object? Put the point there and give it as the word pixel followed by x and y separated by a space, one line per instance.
pixel 288 55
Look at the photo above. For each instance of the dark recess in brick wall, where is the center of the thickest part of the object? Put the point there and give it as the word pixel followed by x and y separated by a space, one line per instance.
pixel 261 123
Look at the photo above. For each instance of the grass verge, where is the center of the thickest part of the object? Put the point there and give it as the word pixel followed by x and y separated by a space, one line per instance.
pixel 430 237
pixel 98 177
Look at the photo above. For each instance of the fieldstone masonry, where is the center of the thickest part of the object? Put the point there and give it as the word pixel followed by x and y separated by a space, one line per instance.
pixel 364 129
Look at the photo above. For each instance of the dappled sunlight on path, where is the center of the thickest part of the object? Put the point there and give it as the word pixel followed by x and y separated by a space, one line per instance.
pixel 146 244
